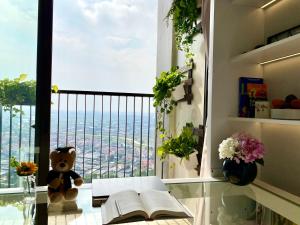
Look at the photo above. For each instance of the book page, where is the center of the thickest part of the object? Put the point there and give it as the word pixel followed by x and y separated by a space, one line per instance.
pixel 122 205
pixel 109 211
pixel 162 204
pixel 129 201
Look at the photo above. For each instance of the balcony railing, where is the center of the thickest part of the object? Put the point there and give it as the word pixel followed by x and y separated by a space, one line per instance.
pixel 16 139
pixel 113 133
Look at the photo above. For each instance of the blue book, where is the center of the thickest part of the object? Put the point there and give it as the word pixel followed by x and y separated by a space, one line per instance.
pixel 244 100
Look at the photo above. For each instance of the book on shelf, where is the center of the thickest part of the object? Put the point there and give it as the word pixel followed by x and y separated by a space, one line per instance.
pixel 129 206
pixel 250 90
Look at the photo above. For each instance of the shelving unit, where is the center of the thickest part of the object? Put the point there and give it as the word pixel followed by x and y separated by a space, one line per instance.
pixel 239 25
pixel 283 48
pixel 267 121
pixel 252 3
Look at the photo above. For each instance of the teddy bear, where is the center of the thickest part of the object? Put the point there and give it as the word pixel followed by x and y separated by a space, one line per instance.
pixel 59 178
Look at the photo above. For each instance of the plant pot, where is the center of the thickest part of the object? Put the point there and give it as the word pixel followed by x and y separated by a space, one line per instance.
pixel 192 163
pixel 239 173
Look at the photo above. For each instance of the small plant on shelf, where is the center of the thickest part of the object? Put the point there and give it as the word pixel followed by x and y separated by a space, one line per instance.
pixel 163 88
pixel 181 146
pixel 184 14
pixel 18 91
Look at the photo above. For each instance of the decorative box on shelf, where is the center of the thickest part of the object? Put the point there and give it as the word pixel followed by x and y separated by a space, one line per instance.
pixel 262 109
pixel 285 114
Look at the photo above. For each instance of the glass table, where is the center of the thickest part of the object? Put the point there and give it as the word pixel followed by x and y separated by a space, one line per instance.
pixel 211 203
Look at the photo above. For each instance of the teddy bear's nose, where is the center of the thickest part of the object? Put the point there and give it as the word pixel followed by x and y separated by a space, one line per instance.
pixel 62 165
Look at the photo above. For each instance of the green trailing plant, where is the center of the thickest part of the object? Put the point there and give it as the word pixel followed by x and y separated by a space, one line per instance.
pixel 184 14
pixel 181 146
pixel 163 88
pixel 18 91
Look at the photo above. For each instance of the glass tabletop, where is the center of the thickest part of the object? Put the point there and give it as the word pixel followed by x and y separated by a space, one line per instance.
pixel 217 203
pixel 225 204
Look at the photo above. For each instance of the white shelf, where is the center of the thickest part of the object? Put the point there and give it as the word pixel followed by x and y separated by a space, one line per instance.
pixel 269 121
pixel 252 3
pixel 282 48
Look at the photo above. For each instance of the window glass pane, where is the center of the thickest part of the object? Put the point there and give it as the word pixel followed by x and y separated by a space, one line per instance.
pixel 105 45
pixel 18 38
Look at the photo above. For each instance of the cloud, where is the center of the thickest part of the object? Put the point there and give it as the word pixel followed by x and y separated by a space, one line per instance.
pixel 18 37
pixel 65 39
pixel 105 45
pixel 118 40
pixel 117 9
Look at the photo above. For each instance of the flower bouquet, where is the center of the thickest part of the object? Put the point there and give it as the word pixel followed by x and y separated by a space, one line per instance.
pixel 26 170
pixel 241 152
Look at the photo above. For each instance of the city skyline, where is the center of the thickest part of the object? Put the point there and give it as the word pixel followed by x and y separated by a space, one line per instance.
pixel 125 150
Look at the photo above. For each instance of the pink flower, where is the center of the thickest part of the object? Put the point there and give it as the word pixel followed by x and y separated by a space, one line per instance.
pixel 249 148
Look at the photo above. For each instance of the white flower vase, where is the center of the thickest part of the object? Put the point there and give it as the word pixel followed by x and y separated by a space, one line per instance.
pixel 192 163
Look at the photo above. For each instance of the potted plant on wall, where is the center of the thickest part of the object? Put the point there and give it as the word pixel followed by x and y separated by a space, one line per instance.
pixel 182 146
pixel 184 15
pixel 241 152
pixel 163 88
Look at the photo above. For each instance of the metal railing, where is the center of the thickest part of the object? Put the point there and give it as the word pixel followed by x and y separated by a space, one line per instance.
pixel 16 139
pixel 114 134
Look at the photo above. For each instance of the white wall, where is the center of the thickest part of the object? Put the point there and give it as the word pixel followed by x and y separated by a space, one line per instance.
pixel 164 60
pixel 164 38
pixel 185 113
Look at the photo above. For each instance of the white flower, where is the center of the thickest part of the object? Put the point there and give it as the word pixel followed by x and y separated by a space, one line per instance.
pixel 227 148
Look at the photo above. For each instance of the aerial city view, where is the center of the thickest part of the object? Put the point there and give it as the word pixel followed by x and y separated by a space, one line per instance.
pixel 105 146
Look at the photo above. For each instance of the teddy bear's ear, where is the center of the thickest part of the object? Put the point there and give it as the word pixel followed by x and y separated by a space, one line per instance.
pixel 53 154
pixel 73 153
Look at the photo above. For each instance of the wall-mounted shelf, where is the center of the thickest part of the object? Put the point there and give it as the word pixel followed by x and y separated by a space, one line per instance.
pixel 268 121
pixel 187 84
pixel 286 47
pixel 252 3
pixel 199 132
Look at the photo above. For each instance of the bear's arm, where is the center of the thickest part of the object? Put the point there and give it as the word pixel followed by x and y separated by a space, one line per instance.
pixel 51 176
pixel 74 175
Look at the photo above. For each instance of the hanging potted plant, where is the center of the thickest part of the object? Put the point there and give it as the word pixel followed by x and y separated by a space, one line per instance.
pixel 184 14
pixel 182 146
pixel 17 91
pixel 241 152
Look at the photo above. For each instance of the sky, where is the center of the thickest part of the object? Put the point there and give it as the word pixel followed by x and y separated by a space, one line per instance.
pixel 98 45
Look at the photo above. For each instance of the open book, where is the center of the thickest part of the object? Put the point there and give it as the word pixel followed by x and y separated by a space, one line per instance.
pixel 128 206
